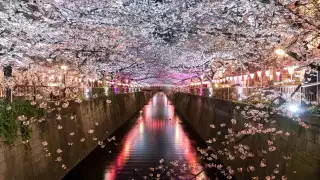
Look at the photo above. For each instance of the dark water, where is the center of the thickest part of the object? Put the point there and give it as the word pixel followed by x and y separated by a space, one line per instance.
pixel 156 133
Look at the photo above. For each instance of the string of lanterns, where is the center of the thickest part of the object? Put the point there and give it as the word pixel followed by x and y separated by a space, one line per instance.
pixel 249 76
pixel 252 76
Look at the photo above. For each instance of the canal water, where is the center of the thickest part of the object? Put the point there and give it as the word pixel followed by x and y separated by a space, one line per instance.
pixel 156 137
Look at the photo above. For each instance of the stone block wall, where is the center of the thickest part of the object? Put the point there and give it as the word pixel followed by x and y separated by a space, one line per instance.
pixel 20 161
pixel 303 145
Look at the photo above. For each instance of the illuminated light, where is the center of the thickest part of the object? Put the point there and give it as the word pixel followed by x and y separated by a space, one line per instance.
pixel 293 108
pixel 245 77
pixel 290 70
pixel 231 78
pixel 278 73
pixel 227 78
pixel 271 77
pixel 60 77
pixel 259 74
pixel 235 78
pixel 216 85
pixel 80 79
pixel 64 67
pixel 267 73
pixel 52 84
pixel 252 75
pixel 280 52
pixel 240 78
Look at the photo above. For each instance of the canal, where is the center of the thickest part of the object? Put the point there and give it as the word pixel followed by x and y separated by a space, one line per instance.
pixel 153 144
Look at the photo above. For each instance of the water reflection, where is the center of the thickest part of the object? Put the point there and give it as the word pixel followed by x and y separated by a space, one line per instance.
pixel 157 134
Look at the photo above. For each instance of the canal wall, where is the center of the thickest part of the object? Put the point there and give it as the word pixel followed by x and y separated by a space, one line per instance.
pixel 302 146
pixel 31 160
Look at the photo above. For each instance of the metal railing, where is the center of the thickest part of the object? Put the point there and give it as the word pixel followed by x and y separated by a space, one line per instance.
pixel 311 92
pixel 20 91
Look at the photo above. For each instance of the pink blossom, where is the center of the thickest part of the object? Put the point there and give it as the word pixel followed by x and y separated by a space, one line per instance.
pixel 272 148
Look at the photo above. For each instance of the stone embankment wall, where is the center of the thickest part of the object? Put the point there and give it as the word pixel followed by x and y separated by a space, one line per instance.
pixel 21 161
pixel 303 145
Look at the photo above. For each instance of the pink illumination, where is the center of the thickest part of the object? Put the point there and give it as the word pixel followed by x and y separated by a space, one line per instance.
pixel 156 120
pixel 278 73
pixel 245 77
pixel 231 78
pixel 124 154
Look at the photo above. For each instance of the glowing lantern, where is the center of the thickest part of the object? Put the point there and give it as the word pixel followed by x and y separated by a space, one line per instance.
pixel 278 73
pixel 231 78
pixel 271 77
pixel 291 70
pixel 245 77
pixel 267 73
pixel 259 73
pixel 252 76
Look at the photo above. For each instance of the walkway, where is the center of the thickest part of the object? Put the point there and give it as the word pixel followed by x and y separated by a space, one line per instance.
pixel 157 134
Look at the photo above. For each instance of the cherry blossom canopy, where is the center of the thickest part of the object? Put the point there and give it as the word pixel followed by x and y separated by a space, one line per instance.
pixel 155 41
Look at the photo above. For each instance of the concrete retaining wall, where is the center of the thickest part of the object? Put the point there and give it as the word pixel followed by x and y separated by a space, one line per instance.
pixel 21 162
pixel 303 145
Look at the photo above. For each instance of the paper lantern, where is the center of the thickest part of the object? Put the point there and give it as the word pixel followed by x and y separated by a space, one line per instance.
pixel 252 76
pixel 290 70
pixel 271 77
pixel 267 73
pixel 259 74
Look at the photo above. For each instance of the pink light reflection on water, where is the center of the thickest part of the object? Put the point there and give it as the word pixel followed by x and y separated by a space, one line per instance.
pixel 158 118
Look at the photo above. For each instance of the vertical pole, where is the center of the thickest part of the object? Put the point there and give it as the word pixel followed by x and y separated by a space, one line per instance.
pixel 8 73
